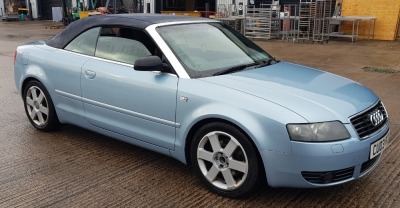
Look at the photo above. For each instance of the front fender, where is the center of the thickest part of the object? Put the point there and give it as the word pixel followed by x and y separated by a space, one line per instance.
pixel 266 133
pixel 264 122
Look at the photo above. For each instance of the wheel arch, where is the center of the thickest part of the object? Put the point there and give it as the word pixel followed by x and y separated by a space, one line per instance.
pixel 26 81
pixel 37 73
pixel 33 72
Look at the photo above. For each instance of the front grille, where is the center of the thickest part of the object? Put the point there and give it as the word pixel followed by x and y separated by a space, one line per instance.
pixel 362 123
pixel 367 165
pixel 328 176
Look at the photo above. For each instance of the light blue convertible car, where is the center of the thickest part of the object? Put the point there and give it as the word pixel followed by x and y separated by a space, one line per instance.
pixel 200 92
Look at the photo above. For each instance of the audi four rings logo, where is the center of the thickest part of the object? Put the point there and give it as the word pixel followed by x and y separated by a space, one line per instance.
pixel 376 117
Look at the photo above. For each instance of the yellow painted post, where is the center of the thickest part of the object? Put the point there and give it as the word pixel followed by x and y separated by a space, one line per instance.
pixel 398 26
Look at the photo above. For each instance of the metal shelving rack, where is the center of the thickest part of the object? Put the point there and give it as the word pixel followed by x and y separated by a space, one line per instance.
pixel 305 20
pixel 235 23
pixel 275 19
pixel 222 11
pixel 290 22
pixel 258 22
pixel 321 12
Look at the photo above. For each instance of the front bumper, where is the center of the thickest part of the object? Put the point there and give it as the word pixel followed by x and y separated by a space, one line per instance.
pixel 311 165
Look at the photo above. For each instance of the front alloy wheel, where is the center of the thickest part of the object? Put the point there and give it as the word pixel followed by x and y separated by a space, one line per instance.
pixel 225 160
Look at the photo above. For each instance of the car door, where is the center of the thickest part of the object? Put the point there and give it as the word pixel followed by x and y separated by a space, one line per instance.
pixel 64 68
pixel 140 105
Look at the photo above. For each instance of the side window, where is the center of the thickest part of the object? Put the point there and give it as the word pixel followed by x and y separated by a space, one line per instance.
pixel 85 43
pixel 124 45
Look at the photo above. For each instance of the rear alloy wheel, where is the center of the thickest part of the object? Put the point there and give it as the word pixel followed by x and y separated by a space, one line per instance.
pixel 225 160
pixel 39 107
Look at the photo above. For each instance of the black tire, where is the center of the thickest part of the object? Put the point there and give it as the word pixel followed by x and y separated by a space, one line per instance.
pixel 39 107
pixel 242 165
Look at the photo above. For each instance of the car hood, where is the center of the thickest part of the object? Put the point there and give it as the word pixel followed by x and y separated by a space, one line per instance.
pixel 313 94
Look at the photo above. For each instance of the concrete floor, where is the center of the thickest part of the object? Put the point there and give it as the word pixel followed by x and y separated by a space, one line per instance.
pixel 77 168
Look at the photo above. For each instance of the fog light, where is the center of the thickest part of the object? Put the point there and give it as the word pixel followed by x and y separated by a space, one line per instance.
pixel 327 177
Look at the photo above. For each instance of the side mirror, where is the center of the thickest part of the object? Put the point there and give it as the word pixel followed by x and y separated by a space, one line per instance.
pixel 149 63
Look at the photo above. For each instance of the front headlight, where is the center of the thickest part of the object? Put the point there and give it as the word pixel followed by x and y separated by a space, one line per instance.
pixel 318 132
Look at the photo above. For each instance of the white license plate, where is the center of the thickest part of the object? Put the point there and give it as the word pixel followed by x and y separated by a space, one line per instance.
pixel 378 146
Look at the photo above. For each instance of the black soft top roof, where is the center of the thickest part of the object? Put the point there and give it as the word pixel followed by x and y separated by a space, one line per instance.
pixel 139 21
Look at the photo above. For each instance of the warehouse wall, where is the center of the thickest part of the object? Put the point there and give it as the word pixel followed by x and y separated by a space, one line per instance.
pixel 44 8
pixel 2 12
pixel 386 11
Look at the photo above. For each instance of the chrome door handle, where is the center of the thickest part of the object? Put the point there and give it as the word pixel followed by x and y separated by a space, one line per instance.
pixel 90 74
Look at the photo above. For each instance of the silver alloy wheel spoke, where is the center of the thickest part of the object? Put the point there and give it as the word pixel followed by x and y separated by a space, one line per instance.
pixel 230 182
pixel 216 146
pixel 32 113
pixel 212 174
pixel 33 92
pixel 230 148
pixel 237 165
pixel 29 101
pixel 40 97
pixel 44 110
pixel 40 117
pixel 218 164
pixel 205 155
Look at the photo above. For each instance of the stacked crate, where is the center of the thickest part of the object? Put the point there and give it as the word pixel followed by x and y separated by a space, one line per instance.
pixel 12 8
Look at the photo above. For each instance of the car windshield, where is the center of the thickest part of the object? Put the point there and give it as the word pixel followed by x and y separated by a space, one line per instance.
pixel 209 49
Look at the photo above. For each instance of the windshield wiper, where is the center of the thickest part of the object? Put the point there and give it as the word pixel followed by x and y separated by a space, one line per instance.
pixel 234 69
pixel 268 62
